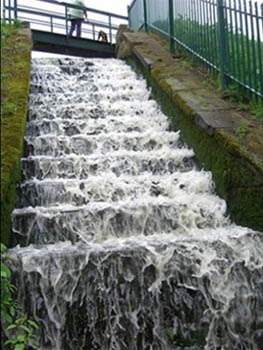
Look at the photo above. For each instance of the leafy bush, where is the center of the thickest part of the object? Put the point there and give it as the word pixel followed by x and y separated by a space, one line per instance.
pixel 18 329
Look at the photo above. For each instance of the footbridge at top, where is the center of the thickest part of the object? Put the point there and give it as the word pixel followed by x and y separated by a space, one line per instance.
pixel 50 24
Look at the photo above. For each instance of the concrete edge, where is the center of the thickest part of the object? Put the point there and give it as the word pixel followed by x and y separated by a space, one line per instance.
pixel 214 116
pixel 213 120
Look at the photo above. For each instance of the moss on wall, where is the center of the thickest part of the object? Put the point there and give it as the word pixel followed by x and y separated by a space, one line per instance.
pixel 15 81
pixel 238 178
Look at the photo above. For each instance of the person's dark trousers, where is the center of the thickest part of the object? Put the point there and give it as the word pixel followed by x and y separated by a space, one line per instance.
pixel 75 23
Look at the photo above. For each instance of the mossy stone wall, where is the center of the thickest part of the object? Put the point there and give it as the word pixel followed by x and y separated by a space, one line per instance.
pixel 238 178
pixel 15 79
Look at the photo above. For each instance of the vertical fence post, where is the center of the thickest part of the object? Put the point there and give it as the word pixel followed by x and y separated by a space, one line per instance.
pixel 4 9
pixel 15 9
pixel 93 32
pixel 260 56
pixel 9 12
pixel 51 24
pixel 171 26
pixel 66 18
pixel 145 16
pixel 221 41
pixel 110 26
pixel 129 16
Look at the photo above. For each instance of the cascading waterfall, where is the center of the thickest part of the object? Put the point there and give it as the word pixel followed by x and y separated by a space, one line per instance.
pixel 121 241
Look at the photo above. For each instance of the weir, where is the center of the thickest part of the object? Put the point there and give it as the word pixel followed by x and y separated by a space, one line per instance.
pixel 122 240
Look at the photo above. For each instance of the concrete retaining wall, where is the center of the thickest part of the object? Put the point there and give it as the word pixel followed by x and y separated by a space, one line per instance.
pixel 208 124
pixel 16 57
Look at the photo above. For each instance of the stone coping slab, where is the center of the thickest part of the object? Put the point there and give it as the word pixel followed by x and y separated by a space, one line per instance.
pixel 235 139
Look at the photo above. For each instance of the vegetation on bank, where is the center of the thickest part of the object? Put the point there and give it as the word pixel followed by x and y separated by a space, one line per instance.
pixel 242 59
pixel 19 328
pixel 18 331
pixel 233 155
pixel 15 82
pixel 237 175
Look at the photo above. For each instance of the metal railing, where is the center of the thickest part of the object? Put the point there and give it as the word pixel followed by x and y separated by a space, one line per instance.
pixel 226 35
pixel 52 16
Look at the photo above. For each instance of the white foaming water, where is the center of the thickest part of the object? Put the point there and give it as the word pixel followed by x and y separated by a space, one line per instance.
pixel 123 242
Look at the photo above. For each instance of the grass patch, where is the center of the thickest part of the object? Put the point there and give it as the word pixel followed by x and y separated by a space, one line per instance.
pixel 241 132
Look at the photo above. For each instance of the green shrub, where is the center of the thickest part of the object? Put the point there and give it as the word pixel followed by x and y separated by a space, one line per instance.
pixel 18 329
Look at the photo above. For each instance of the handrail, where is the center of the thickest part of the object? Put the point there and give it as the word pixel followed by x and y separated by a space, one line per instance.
pixel 56 21
pixel 58 16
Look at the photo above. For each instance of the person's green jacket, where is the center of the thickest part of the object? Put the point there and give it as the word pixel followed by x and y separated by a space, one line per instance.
pixel 74 13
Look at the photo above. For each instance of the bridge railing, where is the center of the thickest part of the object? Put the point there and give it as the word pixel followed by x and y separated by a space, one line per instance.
pixel 225 35
pixel 52 16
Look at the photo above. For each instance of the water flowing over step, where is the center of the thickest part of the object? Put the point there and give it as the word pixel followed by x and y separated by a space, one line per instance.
pixel 122 243
pixel 103 143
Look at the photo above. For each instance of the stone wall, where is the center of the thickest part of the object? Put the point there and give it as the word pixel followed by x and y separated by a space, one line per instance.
pixel 15 84
pixel 208 124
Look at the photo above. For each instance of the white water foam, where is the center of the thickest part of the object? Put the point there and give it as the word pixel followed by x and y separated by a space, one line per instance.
pixel 123 242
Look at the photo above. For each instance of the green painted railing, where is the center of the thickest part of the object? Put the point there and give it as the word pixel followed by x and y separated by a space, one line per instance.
pixel 226 35
pixel 52 16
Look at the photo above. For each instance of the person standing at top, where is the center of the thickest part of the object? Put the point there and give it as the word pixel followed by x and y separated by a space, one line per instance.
pixel 76 16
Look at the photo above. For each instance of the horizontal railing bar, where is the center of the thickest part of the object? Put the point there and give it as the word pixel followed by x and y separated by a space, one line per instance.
pixel 55 21
pixel 92 22
pixel 45 14
pixel 158 29
pixel 64 4
pixel 101 24
pixel 30 10
pixel 55 25
pixel 35 10
pixel 244 85
pixel 61 26
pixel 44 23
pixel 242 12
pixel 109 14
pixel 132 4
